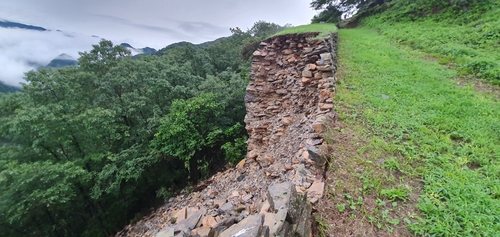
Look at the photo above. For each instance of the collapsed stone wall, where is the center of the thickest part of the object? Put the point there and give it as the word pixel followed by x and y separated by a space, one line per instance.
pixel 288 97
pixel 270 192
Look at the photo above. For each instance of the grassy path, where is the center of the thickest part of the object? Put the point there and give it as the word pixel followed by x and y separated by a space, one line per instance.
pixel 416 124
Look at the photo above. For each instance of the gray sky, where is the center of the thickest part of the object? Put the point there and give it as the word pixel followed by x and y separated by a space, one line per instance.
pixel 152 23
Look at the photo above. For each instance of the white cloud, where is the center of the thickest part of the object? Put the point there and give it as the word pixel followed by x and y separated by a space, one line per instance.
pixel 152 23
pixel 20 48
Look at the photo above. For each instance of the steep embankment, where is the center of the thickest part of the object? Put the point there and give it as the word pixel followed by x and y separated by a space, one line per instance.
pixel 271 191
pixel 416 148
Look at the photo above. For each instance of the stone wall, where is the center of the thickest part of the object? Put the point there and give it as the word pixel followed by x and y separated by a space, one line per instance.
pixel 271 192
pixel 288 97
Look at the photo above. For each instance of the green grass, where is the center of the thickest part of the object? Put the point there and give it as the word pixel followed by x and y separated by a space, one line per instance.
pixel 414 111
pixel 468 39
pixel 322 29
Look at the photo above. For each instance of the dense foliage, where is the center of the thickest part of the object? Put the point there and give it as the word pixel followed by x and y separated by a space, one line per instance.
pixel 84 149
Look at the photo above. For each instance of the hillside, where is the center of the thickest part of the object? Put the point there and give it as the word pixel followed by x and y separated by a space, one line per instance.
pixel 63 60
pixel 464 36
pixel 10 24
pixel 6 88
pixel 415 144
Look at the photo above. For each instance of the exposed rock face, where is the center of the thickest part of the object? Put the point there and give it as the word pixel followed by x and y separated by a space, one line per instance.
pixel 271 191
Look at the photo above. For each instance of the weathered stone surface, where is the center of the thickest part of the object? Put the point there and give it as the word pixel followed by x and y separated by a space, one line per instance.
pixel 325 68
pixel 315 155
pixel 167 232
pixel 318 75
pixel 303 226
pixel 307 73
pixel 209 221
pixel 226 207
pixel 284 196
pixel 310 67
pixel 265 207
pixel 269 219
pixel 286 120
pixel 201 231
pixel 281 226
pixel 315 192
pixel 181 215
pixel 287 51
pixel 188 224
pixel 325 106
pixel 249 227
pixel 317 126
pixel 182 234
pixel 326 56
pixel 306 80
pixel 241 164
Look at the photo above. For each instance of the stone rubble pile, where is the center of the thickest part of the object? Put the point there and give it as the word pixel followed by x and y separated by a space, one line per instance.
pixel 270 192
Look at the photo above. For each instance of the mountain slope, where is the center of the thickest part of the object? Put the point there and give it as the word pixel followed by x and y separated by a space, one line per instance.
pixel 63 60
pixel 466 39
pixel 184 43
pixel 134 51
pixel 4 88
pixel 10 24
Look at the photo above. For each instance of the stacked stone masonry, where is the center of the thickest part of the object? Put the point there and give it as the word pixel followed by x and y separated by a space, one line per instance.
pixel 289 97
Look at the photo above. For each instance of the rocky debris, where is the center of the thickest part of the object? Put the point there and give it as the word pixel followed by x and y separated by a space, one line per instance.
pixel 269 193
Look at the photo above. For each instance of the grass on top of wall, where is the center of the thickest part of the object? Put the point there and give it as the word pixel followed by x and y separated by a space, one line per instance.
pixel 322 28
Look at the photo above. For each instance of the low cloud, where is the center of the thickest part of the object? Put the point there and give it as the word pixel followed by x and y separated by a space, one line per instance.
pixel 21 50
pixel 204 28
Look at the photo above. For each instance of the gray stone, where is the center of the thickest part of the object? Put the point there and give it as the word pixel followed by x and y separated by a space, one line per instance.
pixel 307 73
pixel 215 232
pixel 315 192
pixel 326 56
pixel 249 227
pixel 315 156
pixel 182 234
pixel 284 196
pixel 281 226
pixel 166 232
pixel 303 226
pixel 226 207
pixel 265 231
pixel 188 224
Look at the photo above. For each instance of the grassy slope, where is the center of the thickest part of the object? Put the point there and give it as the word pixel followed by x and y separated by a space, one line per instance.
pixel 423 126
pixel 322 29
pixel 468 39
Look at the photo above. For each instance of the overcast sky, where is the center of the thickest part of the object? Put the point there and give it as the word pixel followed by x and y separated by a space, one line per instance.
pixel 141 23
pixel 154 23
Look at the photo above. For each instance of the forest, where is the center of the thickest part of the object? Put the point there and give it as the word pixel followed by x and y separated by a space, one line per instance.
pixel 86 150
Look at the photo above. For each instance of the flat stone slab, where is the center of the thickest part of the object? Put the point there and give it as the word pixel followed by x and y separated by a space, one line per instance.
pixel 252 226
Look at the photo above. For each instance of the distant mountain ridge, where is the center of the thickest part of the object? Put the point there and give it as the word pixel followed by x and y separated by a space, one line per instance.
pixel 63 60
pixel 185 43
pixel 10 24
pixel 134 51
